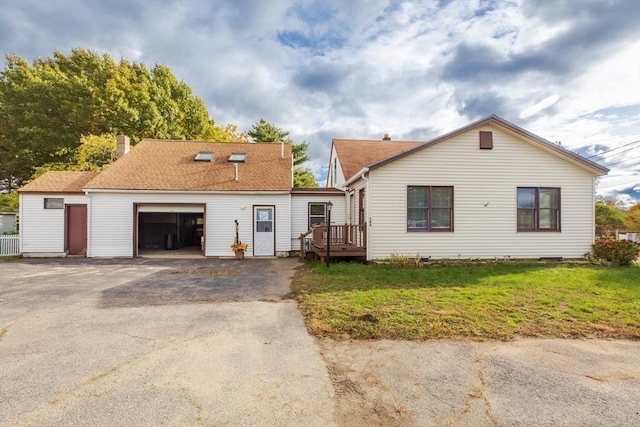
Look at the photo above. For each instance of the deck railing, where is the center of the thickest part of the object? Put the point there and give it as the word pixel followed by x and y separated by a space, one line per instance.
pixel 341 235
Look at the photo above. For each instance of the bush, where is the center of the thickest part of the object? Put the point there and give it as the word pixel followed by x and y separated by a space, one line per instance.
pixel 622 252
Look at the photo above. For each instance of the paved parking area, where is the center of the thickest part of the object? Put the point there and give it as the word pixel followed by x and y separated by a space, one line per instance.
pixel 150 342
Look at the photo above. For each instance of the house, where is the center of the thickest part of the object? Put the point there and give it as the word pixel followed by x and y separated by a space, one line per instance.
pixel 163 195
pixel 487 190
pixel 53 214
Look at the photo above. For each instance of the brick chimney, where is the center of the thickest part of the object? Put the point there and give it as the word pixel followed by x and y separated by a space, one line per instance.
pixel 123 144
pixel 386 137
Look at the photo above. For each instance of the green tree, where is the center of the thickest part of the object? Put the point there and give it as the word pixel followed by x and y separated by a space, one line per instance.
pixel 608 216
pixel 263 131
pixel 95 152
pixel 47 106
pixel 9 202
pixel 303 178
pixel 632 218
pixel 228 133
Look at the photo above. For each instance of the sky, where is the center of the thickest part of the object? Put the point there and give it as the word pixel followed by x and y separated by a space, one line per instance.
pixel 568 71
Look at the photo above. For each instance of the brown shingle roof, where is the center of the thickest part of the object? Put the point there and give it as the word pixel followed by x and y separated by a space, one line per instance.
pixel 169 165
pixel 354 154
pixel 59 182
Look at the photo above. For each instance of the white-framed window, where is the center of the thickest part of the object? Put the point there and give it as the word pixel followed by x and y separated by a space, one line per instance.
pixel 317 214
pixel 53 203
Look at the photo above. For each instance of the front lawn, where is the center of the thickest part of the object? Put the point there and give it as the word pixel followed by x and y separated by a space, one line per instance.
pixel 486 301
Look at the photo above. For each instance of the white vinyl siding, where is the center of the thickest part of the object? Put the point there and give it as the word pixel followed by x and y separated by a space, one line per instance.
pixel 42 230
pixel 111 223
pixel 336 179
pixel 485 186
pixel 300 213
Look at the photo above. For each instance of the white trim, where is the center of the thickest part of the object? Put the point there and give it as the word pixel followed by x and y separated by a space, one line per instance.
pixel 358 175
pixel 185 192
pixel 179 208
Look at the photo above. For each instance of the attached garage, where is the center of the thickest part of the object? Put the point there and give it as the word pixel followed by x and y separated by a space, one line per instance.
pixel 169 227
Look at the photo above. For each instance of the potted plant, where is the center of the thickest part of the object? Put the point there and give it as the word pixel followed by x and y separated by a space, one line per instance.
pixel 238 247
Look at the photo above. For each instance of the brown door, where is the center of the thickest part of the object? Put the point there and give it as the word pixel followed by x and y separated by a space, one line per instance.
pixel 76 229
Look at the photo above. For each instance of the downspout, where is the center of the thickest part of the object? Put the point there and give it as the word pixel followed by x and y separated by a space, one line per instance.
pixel 367 195
pixel 88 254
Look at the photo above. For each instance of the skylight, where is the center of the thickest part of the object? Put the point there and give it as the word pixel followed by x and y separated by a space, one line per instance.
pixel 203 156
pixel 238 157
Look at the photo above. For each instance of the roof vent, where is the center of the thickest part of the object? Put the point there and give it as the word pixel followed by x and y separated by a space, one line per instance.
pixel 386 137
pixel 203 156
pixel 238 157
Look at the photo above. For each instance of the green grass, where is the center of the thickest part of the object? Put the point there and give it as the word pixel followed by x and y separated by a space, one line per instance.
pixel 486 301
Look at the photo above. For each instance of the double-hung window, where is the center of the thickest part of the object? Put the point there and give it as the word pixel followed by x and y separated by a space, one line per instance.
pixel 317 214
pixel 538 209
pixel 429 208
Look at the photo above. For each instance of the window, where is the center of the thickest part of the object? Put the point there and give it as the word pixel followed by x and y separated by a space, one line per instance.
pixel 50 203
pixel 429 208
pixel 538 209
pixel 238 157
pixel 317 214
pixel 203 156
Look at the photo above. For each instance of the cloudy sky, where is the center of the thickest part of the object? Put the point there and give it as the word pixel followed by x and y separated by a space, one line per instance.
pixel 568 71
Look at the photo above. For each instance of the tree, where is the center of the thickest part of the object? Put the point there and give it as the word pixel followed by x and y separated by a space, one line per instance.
pixel 9 202
pixel 608 216
pixel 228 133
pixel 95 152
pixel 263 131
pixel 46 107
pixel 303 178
pixel 632 218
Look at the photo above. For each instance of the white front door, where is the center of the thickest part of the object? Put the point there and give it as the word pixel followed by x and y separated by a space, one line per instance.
pixel 263 231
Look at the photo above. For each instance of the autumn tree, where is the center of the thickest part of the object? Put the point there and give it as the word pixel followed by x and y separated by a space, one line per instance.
pixel 227 133
pixel 608 216
pixel 263 131
pixel 632 218
pixel 46 107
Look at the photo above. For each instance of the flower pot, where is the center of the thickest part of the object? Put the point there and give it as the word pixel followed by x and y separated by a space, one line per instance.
pixel 239 254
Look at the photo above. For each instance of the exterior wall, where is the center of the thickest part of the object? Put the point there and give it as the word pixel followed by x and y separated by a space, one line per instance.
pixel 42 230
pixel 481 177
pixel 300 213
pixel 111 220
pixel 339 181
pixel 7 222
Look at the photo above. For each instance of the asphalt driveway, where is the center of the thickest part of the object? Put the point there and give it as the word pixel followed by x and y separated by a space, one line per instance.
pixel 219 342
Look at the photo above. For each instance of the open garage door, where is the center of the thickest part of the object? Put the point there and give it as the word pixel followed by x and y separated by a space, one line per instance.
pixel 163 228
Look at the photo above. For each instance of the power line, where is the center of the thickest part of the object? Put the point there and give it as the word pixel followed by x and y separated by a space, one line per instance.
pixel 622 161
pixel 617 185
pixel 613 149
pixel 612 137
pixel 620 152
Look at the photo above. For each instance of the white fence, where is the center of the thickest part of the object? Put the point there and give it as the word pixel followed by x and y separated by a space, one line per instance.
pixel 634 237
pixel 10 245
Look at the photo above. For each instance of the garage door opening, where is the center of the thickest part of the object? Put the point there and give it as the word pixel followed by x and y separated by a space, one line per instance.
pixel 170 234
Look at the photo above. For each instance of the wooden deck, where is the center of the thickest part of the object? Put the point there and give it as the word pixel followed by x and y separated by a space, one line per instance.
pixel 345 241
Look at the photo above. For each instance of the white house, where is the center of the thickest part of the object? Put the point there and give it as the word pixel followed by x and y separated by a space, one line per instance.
pixel 53 214
pixel 173 195
pixel 489 189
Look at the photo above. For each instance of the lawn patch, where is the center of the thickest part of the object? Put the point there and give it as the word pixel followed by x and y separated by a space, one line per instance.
pixel 490 301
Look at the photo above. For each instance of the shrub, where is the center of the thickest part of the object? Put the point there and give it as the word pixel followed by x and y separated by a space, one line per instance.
pixel 622 252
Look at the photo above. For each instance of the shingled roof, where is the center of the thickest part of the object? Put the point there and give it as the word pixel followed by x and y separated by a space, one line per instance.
pixel 355 154
pixel 59 182
pixel 169 165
